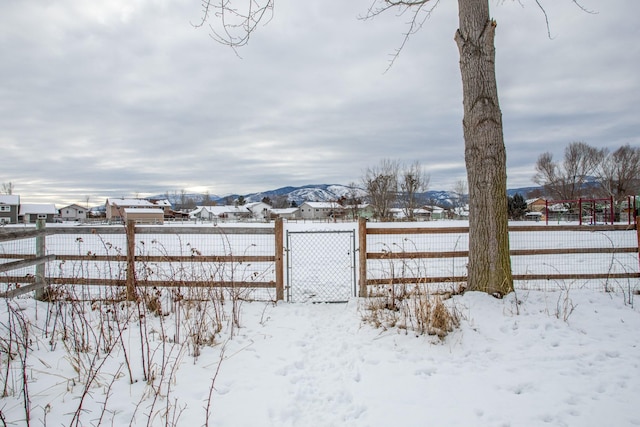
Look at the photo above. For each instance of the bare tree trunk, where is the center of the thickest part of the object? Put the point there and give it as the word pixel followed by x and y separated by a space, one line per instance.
pixel 489 267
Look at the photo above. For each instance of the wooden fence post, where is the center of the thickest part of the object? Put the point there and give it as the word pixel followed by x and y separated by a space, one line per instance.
pixel 279 256
pixel 131 260
pixel 362 243
pixel 638 234
pixel 41 292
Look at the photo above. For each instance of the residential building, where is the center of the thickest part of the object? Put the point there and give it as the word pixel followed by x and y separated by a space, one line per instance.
pixel 154 215
pixel 9 209
pixel 214 213
pixel 73 213
pixel 285 213
pixel 259 210
pixel 115 207
pixel 31 212
pixel 321 210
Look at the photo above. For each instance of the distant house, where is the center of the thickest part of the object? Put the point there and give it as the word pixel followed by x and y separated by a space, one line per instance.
pixel 229 212
pixel 321 210
pixel 285 213
pixel 115 207
pixel 73 213
pixel 362 210
pixel 436 212
pixel 259 210
pixel 144 215
pixel 31 212
pixel 536 205
pixel 165 205
pixel 9 209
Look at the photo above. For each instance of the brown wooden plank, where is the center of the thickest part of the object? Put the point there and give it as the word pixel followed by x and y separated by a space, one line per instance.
pixel 418 230
pixel 11 234
pixel 8 266
pixel 456 279
pixel 515 228
pixel 513 252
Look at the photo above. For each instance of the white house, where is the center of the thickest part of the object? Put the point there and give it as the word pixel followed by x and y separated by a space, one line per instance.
pixel 259 210
pixel 73 213
pixel 210 213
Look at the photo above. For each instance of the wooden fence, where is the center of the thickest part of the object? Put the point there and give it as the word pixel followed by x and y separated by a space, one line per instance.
pixel 38 281
pixel 367 256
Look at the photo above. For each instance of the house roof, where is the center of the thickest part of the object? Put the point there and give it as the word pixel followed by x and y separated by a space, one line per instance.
pixel 38 208
pixel 219 210
pixel 323 205
pixel 74 206
pixel 284 211
pixel 537 199
pixel 9 199
pixel 130 202
pixel 254 204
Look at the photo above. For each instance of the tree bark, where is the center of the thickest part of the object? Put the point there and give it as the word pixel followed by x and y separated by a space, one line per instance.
pixel 489 268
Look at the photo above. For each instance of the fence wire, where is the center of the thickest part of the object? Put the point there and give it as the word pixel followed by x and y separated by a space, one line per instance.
pixel 579 253
pixel 321 266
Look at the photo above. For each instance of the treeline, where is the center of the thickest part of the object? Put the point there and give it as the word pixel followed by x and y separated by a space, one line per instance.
pixel 589 172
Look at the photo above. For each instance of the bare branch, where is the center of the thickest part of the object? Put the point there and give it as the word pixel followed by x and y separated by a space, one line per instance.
pixel 414 24
pixel 236 24
pixel 546 17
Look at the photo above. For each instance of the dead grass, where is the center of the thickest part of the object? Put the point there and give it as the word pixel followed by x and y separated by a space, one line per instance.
pixel 412 308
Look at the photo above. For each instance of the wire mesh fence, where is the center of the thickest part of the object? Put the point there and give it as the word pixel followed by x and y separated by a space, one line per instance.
pixel 241 261
pixel 599 257
pixel 321 266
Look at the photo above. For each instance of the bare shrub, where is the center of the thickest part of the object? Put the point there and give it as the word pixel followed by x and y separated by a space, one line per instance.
pixel 411 308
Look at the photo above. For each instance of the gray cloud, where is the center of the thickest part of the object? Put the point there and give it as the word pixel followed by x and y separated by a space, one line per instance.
pixel 128 98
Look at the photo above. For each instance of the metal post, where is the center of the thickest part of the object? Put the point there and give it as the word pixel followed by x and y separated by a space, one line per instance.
pixel 41 292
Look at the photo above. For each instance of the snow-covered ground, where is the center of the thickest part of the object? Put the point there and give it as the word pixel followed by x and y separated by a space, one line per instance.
pixel 562 355
pixel 562 358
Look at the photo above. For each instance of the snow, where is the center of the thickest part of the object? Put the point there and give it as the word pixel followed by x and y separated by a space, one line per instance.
pixel 563 356
pixel 512 362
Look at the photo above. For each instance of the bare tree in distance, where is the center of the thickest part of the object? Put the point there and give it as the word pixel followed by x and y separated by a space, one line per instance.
pixel 7 188
pixel 413 181
pixel 489 267
pixel 566 180
pixel 381 184
pixel 353 200
pixel 619 172
pixel 462 198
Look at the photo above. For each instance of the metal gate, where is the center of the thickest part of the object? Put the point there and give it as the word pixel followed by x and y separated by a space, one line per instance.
pixel 321 266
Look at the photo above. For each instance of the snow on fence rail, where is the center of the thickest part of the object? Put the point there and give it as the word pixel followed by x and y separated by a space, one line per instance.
pixel 253 258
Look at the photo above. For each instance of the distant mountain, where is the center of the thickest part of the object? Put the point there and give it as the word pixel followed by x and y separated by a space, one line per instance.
pixel 308 193
pixel 322 193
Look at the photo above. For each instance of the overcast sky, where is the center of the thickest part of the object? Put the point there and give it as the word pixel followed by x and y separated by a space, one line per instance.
pixel 125 98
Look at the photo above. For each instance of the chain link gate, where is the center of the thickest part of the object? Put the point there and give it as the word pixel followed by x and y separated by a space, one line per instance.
pixel 321 266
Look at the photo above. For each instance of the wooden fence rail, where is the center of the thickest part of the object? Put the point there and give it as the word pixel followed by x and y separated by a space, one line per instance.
pixel 38 282
pixel 366 255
